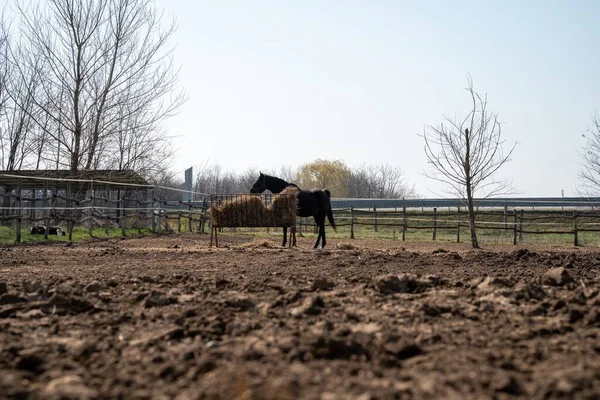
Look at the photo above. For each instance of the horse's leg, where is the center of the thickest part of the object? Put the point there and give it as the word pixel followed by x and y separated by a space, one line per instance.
pixel 318 236
pixel 322 232
pixel 293 236
pixel 320 220
pixel 284 236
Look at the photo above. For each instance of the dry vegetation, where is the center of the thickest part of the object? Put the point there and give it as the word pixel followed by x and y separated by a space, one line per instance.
pixel 251 211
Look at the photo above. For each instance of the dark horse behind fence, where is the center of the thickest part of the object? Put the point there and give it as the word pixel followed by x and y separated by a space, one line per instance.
pixel 311 203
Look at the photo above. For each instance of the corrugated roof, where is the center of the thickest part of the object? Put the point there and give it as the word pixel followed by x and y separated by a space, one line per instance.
pixel 38 177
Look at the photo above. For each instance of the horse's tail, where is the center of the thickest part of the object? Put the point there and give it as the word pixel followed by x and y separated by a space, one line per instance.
pixel 329 211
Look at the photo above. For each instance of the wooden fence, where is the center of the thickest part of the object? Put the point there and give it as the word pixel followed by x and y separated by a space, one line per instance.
pixel 514 223
pixel 103 205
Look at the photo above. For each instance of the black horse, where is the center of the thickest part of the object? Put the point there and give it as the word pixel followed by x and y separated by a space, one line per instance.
pixel 311 203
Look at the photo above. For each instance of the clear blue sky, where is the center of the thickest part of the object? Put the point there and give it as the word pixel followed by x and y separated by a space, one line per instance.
pixel 276 83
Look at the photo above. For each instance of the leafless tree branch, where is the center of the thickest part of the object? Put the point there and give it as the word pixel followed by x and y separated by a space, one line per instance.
pixel 465 154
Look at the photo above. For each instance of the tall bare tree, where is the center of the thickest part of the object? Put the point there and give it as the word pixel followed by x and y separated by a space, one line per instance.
pixel 17 88
pixel 589 172
pixel 464 154
pixel 106 79
pixel 4 78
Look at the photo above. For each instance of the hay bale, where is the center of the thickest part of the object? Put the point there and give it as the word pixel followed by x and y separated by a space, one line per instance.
pixel 282 210
pixel 250 210
pixel 244 210
pixel 291 190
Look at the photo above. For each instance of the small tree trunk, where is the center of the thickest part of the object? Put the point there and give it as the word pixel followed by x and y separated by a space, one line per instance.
pixel 472 226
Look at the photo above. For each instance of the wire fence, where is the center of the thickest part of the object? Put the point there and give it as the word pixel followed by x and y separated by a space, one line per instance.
pixel 58 206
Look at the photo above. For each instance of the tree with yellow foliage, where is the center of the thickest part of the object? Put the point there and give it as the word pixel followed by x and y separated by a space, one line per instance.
pixel 320 174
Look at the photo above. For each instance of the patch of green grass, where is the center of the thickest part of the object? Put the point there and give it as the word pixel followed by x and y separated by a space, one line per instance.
pixel 443 235
pixel 8 235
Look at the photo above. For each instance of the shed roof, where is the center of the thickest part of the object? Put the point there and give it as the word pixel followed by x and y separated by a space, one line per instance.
pixel 60 178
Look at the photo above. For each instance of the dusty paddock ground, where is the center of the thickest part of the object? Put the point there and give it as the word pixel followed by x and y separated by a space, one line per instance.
pixel 168 317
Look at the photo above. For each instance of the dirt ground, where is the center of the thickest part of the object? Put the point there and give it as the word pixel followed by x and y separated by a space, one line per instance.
pixel 169 317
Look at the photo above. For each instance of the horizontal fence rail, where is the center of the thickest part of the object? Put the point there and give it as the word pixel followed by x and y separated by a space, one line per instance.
pixel 494 225
pixel 523 202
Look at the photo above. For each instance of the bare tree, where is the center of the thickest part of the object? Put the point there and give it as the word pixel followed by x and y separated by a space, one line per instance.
pixel 16 98
pixel 246 179
pixel 589 173
pixel 164 179
pixel 212 178
pixel 107 80
pixel 4 98
pixel 465 154
pixel 379 181
pixel 17 125
pixel 286 172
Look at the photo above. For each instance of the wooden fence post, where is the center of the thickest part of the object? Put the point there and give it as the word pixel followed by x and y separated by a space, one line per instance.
pixel 514 226
pixel 153 221
pixel 403 223
pixel 70 213
pixel 351 222
pixel 18 207
pixel 458 224
pixel 139 216
pixel 53 202
pixel 107 205
pixel 32 214
pixel 204 215
pixel 190 217
pixel 375 211
pixel 434 222
pixel 395 223
pixel 179 216
pixel 91 210
pixel 164 217
pixel 46 212
pixel 167 219
pixel 121 203
pixel 521 226
pixel 575 231
pixel 505 217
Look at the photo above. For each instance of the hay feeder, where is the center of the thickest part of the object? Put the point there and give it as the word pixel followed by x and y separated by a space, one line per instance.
pixel 251 211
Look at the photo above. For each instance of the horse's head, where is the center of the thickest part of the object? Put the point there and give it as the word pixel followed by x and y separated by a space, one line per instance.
pixel 260 184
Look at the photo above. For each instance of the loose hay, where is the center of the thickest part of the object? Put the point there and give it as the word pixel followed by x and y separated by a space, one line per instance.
pixel 261 243
pixel 291 190
pixel 345 246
